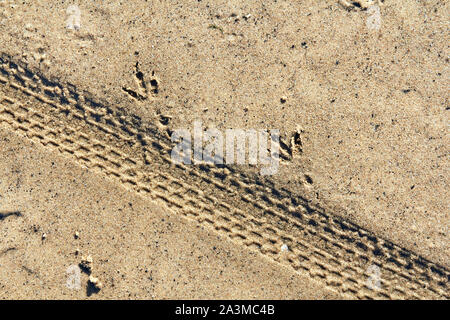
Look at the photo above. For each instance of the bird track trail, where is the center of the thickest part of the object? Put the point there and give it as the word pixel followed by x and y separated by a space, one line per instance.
pixel 240 205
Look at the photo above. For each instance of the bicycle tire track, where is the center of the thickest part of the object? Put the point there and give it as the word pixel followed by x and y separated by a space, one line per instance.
pixel 250 211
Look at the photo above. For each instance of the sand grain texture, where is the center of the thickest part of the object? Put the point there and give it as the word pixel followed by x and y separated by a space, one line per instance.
pixel 363 178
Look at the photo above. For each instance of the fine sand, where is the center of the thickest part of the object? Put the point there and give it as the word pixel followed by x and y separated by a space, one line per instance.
pixel 90 93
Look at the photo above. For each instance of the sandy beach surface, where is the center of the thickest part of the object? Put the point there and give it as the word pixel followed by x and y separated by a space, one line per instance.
pixel 93 207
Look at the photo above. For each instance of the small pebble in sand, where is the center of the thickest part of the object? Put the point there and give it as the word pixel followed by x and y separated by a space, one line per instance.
pixel 284 248
pixel 29 27
pixel 283 99
pixel 86 263
pixel 76 235
pixel 44 236
pixel 95 282
pixel 77 251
